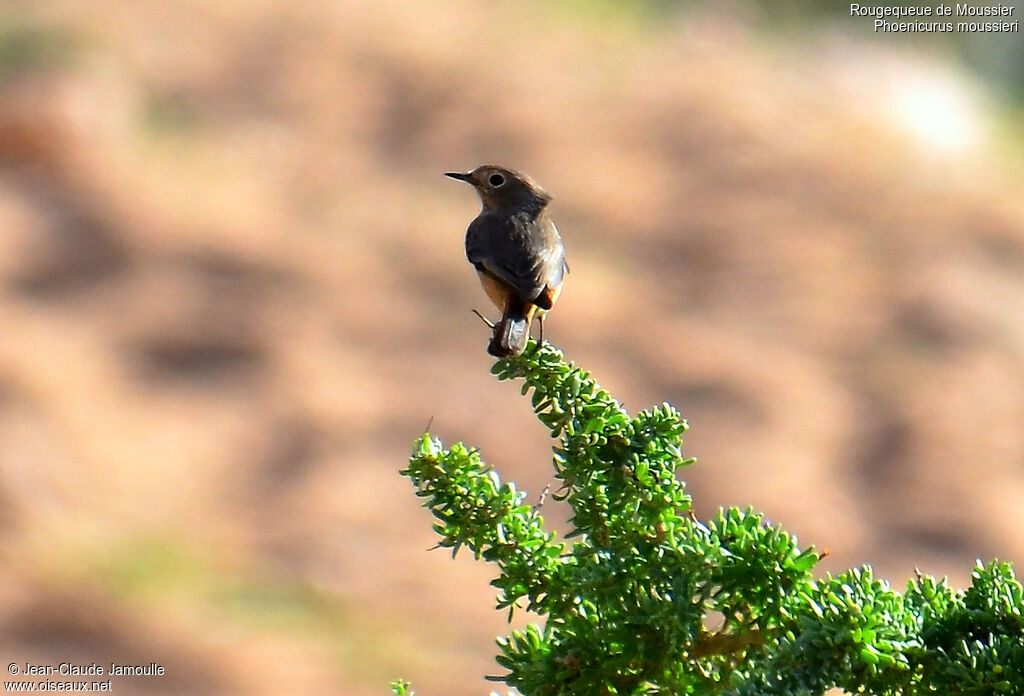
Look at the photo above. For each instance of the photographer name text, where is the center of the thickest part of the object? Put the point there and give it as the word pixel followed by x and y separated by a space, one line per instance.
pixel 67 669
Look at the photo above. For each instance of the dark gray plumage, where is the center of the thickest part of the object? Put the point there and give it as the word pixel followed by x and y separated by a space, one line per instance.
pixel 516 249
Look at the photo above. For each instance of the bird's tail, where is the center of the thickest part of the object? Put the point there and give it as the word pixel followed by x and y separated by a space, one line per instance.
pixel 513 331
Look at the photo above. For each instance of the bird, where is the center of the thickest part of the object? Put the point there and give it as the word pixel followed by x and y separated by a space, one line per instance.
pixel 517 252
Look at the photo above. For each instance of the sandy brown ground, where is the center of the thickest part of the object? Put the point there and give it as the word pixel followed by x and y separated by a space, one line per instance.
pixel 232 291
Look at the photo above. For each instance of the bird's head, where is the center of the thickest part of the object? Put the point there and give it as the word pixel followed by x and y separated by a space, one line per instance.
pixel 501 188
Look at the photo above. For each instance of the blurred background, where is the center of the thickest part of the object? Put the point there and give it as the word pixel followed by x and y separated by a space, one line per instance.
pixel 233 291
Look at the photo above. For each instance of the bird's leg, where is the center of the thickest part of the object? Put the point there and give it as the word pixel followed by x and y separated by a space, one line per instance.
pixel 490 324
pixel 540 323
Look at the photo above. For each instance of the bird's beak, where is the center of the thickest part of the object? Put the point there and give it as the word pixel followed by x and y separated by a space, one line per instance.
pixel 458 175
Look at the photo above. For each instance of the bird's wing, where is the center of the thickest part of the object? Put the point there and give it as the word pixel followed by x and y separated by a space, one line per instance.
pixel 527 259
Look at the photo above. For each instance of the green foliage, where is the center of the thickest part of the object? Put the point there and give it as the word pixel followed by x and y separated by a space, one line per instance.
pixel 642 598
pixel 401 688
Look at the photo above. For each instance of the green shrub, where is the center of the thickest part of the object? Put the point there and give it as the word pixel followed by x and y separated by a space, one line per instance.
pixel 640 597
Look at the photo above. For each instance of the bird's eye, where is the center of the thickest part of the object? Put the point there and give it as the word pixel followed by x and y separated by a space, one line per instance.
pixel 496 180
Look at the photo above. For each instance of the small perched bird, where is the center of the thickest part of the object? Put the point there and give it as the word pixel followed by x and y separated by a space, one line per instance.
pixel 517 253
